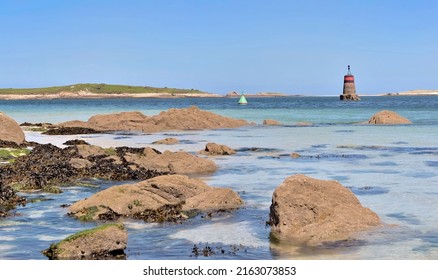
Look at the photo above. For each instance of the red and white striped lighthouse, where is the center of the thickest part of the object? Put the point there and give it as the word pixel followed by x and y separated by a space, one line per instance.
pixel 349 91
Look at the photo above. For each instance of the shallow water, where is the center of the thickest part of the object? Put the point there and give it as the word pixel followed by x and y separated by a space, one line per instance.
pixel 391 169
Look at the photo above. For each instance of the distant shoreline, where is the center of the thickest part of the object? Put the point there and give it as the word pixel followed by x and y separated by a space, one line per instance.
pixel 90 95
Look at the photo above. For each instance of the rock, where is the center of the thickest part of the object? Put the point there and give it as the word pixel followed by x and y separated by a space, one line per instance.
pixel 167 141
pixel 75 142
pixel 214 149
pixel 270 122
pixel 350 97
pixel 80 163
pixel 105 242
pixel 295 155
pixel 163 198
pixel 173 162
pixel 232 94
pixel 303 124
pixel 312 211
pixel 173 119
pixel 8 200
pixel 85 151
pixel 10 131
pixel 70 131
pixel 388 117
pixel 48 165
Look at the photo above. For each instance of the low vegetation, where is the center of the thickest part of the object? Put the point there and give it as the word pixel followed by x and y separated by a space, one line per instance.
pixel 97 88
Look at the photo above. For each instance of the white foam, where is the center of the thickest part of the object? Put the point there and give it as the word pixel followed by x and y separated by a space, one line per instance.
pixel 7 238
pixel 138 225
pixel 44 237
pixel 232 234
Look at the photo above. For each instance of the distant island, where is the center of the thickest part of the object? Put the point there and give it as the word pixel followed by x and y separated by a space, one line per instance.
pixel 415 92
pixel 99 91
pixel 260 94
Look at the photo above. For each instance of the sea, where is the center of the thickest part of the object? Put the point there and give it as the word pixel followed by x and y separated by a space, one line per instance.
pixel 392 169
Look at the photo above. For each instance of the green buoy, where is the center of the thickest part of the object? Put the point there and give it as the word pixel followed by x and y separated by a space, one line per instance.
pixel 242 100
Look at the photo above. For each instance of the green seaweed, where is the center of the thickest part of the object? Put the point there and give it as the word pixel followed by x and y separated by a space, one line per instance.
pixel 89 214
pixel 55 249
pixel 8 153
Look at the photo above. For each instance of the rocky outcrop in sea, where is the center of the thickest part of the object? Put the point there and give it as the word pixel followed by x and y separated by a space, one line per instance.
pixel 312 212
pixel 173 119
pixel 106 242
pixel 163 198
pixel 213 149
pixel 47 165
pixel 388 117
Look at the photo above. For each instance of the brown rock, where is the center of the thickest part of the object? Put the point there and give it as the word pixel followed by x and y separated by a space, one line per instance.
pixel 303 124
pixel 10 131
pixel 167 141
pixel 232 94
pixel 313 211
pixel 270 122
pixel 214 149
pixel 80 163
pixel 173 119
pixel 90 150
pixel 105 242
pixel 295 155
pixel 175 162
pixel 350 97
pixel 388 117
pixel 223 199
pixel 163 198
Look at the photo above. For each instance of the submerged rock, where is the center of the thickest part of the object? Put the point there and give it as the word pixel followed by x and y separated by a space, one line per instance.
pixel 163 198
pixel 102 243
pixel 311 211
pixel 214 149
pixel 10 131
pixel 75 142
pixel 271 122
pixel 167 141
pixel 70 131
pixel 388 117
pixel 173 119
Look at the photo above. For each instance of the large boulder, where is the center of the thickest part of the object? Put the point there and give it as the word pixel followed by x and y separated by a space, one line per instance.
pixel 173 119
pixel 163 198
pixel 105 242
pixel 10 131
pixel 388 117
pixel 214 149
pixel 312 211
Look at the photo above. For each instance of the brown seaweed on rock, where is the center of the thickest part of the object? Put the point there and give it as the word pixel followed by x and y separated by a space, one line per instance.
pixel 48 165
pixel 8 200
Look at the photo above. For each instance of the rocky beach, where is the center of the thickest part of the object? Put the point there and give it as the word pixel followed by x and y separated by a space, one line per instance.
pixel 187 178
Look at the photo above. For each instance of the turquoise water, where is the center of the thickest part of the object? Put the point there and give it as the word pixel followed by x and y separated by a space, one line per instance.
pixel 391 169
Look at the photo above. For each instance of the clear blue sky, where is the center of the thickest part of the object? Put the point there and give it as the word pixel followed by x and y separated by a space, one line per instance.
pixel 297 47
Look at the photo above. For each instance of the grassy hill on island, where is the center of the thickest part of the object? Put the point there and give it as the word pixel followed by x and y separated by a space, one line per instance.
pixel 96 88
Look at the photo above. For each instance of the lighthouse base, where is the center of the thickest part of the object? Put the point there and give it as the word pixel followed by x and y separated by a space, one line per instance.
pixel 349 97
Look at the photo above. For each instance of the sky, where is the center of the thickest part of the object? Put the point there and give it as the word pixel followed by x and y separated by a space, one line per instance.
pixel 292 47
